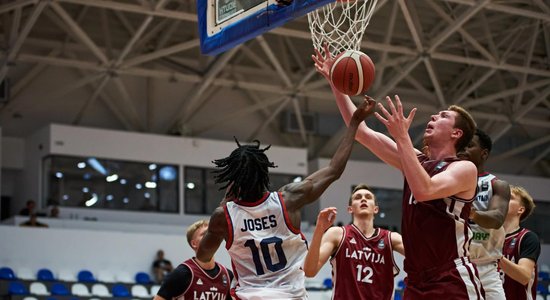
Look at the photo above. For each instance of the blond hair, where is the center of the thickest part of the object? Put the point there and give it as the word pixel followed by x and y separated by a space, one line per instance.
pixel 526 201
pixel 193 228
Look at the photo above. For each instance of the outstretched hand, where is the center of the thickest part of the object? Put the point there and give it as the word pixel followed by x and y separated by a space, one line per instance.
pixel 323 64
pixel 365 109
pixel 397 124
pixel 326 218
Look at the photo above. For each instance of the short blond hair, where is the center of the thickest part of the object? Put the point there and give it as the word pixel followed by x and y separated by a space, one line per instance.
pixel 193 228
pixel 526 200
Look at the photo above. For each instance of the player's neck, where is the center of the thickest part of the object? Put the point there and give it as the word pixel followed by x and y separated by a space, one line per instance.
pixel 206 265
pixel 441 152
pixel 511 225
pixel 366 225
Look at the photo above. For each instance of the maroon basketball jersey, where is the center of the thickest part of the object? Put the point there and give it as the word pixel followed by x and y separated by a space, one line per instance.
pixel 513 289
pixel 203 286
pixel 435 232
pixel 363 267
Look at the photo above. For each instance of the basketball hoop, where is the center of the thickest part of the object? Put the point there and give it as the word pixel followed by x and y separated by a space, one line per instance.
pixel 340 25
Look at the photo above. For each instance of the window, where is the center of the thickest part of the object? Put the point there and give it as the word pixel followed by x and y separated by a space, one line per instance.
pixel 202 195
pixel 90 182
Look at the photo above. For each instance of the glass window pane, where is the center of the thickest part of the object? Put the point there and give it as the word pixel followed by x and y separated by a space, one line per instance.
pixel 110 184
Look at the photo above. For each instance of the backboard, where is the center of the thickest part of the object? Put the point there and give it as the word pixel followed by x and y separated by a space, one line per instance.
pixel 224 24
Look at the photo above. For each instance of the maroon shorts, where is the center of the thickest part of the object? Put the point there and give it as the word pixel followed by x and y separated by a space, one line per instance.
pixel 456 280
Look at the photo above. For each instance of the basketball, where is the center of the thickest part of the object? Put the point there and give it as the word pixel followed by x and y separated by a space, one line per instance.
pixel 352 72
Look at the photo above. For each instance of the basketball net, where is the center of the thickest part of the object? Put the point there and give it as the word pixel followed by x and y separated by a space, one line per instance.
pixel 340 25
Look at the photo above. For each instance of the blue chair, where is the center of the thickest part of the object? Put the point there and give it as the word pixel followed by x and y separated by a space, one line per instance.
pixel 59 289
pixel 143 278
pixel 45 275
pixel 544 275
pixel 120 290
pixel 401 285
pixel 86 276
pixel 17 288
pixel 397 296
pixel 7 273
pixel 327 283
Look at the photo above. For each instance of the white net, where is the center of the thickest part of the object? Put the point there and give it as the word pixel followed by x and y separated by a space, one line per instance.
pixel 340 25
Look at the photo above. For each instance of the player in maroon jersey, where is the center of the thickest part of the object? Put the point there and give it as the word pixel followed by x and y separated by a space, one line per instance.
pixel 437 194
pixel 362 255
pixel 194 279
pixel 521 249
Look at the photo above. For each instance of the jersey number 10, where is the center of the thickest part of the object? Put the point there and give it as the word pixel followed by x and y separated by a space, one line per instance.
pixel 264 246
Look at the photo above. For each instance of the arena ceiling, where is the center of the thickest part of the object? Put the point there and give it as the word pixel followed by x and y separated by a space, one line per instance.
pixel 492 57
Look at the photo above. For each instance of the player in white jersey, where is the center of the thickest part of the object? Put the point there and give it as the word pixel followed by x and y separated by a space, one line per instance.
pixel 261 229
pixel 487 217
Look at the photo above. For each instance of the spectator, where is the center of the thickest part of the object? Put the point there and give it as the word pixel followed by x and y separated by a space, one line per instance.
pixel 161 266
pixel 29 208
pixel 33 222
pixel 54 212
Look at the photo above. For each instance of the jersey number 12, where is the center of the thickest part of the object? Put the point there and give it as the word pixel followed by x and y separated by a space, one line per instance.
pixel 264 246
pixel 368 274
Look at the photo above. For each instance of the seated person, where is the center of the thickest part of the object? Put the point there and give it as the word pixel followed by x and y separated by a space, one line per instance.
pixel 161 266
pixel 29 208
pixel 54 212
pixel 33 222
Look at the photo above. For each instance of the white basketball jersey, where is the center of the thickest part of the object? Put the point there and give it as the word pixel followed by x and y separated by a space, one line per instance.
pixel 486 243
pixel 267 252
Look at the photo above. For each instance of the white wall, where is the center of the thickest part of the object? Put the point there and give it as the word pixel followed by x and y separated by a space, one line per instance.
pixel 81 141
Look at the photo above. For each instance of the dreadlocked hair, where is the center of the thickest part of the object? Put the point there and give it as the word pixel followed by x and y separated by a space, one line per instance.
pixel 246 170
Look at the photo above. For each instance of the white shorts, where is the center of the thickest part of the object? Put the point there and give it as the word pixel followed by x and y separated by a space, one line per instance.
pixel 490 279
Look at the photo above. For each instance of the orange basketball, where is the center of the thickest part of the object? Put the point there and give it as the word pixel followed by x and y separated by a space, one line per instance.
pixel 352 72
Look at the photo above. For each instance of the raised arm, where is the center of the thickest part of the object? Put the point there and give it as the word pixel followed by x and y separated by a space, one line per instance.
pixel 323 243
pixel 216 233
pixel 397 243
pixel 459 179
pixel 379 144
pixel 520 272
pixel 498 207
pixel 310 189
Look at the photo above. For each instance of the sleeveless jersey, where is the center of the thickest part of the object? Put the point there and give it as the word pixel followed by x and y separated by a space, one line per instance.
pixel 202 286
pixel 267 252
pixel 363 267
pixel 486 243
pixel 513 289
pixel 435 233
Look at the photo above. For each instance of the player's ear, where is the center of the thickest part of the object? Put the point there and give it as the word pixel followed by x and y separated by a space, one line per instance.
pixel 376 209
pixel 457 133
pixel 349 209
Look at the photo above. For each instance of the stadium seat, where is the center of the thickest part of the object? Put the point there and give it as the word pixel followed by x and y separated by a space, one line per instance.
pixel 7 273
pixel 30 298
pixel 544 275
pixel 39 289
pixel 327 283
pixel 139 290
pixel 17 288
pixel 154 290
pixel 25 274
pixel 66 275
pixel 100 290
pixel 143 278
pixel 401 285
pixel 106 276
pixel 79 289
pixel 86 276
pixel 120 290
pixel 397 296
pixel 59 289
pixel 124 277
pixel 45 275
